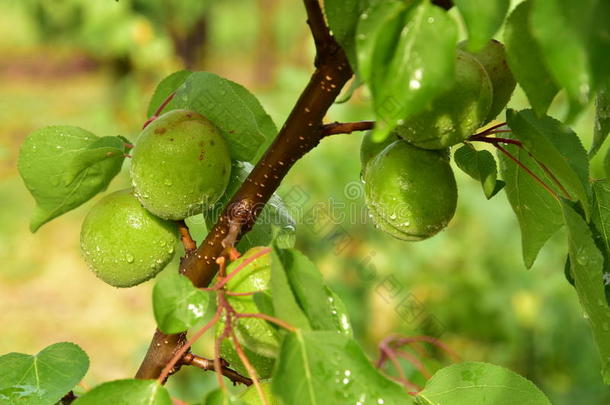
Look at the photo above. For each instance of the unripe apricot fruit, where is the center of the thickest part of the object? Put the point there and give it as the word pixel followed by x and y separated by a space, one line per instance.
pixel 493 59
pixel 455 114
pixel 180 164
pixel 369 148
pixel 250 395
pixel 410 192
pixel 257 337
pixel 123 243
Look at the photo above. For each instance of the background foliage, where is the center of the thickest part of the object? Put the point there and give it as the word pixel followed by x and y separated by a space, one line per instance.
pixel 470 279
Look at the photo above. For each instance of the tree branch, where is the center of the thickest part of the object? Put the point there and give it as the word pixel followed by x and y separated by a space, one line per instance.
pixel 324 42
pixel 191 359
pixel 300 134
pixel 346 127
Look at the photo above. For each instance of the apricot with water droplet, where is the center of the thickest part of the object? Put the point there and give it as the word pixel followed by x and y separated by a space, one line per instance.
pixel 455 114
pixel 180 165
pixel 369 148
pixel 410 192
pixel 493 59
pixel 123 243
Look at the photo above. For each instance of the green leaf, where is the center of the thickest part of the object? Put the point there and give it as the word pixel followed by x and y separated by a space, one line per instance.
pixel 377 33
pixel 602 120
pixel 538 212
pixel 230 108
pixel 43 378
pixel 274 223
pixel 557 147
pixel 587 264
pixel 263 120
pixel 219 397
pixel 330 368
pixel 479 383
pixel 264 302
pixel 126 392
pixel 177 303
pixel 600 226
pixel 100 150
pixel 562 28
pixel 483 18
pixel 285 305
pixel 408 67
pixel 313 296
pixel 166 87
pixel 255 334
pixel 342 19
pixel 481 166
pixel 65 166
pixel 526 61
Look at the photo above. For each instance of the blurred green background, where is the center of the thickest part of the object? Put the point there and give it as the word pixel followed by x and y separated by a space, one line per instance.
pixel 95 63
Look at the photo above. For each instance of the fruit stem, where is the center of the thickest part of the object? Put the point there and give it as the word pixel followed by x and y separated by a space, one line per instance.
pixel 243 264
pixel 185 236
pixel 159 110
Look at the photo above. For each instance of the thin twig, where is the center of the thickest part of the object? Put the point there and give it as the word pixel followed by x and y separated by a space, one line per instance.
pixel 191 359
pixel 493 141
pixel 181 352
pixel 346 127
pixel 415 362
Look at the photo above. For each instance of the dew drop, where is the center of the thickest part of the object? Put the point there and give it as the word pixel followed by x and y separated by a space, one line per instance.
pixel 129 258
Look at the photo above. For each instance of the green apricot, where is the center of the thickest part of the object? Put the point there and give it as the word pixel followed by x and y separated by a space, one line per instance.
pixel 493 59
pixel 369 148
pixel 258 338
pixel 123 243
pixel 180 164
pixel 457 113
pixel 250 395
pixel 410 192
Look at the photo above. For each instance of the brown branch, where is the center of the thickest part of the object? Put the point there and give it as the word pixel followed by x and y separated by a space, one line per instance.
pixel 319 31
pixel 185 236
pixel 446 4
pixel 299 135
pixel 191 359
pixel 346 127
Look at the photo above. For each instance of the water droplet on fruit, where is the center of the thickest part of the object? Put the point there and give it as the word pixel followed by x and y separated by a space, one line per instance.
pixel 129 258
pixel 167 182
